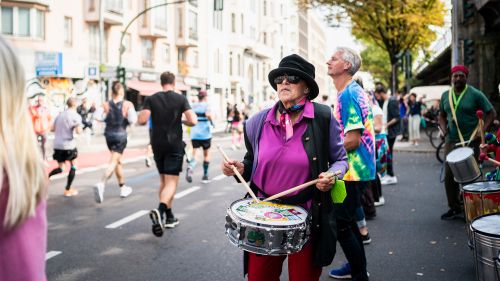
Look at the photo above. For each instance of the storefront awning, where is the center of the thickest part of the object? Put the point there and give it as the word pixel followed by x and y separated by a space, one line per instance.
pixel 144 88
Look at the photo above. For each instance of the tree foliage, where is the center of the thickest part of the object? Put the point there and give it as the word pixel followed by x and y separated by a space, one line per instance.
pixel 393 25
pixel 375 61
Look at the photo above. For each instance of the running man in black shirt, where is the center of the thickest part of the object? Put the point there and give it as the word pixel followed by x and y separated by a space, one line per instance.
pixel 166 109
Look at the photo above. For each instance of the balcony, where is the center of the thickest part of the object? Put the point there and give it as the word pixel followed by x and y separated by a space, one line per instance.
pixel 113 11
pixel 186 28
pixel 40 2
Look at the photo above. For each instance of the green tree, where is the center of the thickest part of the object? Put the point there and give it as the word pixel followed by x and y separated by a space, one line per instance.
pixel 393 25
pixel 375 62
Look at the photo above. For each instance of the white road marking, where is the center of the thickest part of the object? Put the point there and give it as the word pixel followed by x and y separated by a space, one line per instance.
pixel 186 192
pixel 219 177
pixel 128 219
pixel 52 254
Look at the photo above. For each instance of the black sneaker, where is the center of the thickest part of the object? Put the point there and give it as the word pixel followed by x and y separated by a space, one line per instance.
pixel 366 238
pixel 171 222
pixel 156 220
pixel 205 179
pixel 450 215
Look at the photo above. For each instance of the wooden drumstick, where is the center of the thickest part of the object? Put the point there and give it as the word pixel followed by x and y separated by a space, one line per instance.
pixel 238 175
pixel 298 187
pixel 293 189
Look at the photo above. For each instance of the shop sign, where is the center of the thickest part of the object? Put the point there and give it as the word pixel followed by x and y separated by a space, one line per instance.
pixel 48 63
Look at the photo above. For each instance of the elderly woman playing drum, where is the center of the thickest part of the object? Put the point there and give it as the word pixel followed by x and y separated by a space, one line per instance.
pixel 287 145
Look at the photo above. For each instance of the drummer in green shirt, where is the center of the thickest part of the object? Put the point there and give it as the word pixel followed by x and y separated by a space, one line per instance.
pixel 463 101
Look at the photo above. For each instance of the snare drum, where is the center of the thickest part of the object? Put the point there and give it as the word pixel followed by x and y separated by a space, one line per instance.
pixel 267 228
pixel 463 165
pixel 486 233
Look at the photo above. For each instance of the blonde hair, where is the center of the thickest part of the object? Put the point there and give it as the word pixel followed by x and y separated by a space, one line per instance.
pixel 20 158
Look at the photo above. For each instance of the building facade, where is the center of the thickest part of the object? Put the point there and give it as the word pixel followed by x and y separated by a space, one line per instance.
pixel 224 46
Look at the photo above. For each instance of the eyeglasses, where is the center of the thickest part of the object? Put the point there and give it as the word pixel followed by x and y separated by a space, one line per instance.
pixel 292 79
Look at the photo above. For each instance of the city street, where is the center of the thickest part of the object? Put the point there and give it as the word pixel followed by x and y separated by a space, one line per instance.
pixel 113 240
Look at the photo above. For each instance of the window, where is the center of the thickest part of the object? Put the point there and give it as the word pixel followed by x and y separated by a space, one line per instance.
pixel 7 19
pixel 218 20
pixel 40 24
pixel 264 38
pixel 159 15
pixel 195 59
pixel 264 8
pixel 233 23
pixel 94 42
pixel 167 52
pixel 181 54
pixel 242 24
pixel 217 61
pixel 68 31
pixel 180 23
pixel 239 64
pixel 147 52
pixel 193 3
pixel 114 6
pixel 230 63
pixel 193 25
pixel 23 21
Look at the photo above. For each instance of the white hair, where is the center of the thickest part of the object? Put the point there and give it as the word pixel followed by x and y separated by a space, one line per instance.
pixel 351 56
pixel 20 157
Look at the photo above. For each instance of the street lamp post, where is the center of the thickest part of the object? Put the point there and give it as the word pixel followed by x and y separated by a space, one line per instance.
pixel 121 49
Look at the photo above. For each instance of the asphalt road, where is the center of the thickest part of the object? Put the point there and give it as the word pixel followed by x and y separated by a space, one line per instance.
pixel 410 242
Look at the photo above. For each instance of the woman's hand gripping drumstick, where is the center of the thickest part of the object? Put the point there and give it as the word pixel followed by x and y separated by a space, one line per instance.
pixel 483 157
pixel 324 183
pixel 233 166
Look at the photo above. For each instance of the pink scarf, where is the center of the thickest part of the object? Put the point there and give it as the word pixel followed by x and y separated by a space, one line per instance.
pixel 285 120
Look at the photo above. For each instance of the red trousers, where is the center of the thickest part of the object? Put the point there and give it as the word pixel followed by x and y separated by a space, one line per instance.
pixel 268 268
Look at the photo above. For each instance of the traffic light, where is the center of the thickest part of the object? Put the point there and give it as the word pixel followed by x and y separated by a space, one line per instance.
pixel 468 9
pixel 468 51
pixel 121 75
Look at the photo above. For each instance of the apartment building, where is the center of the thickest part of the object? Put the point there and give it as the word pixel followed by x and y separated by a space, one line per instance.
pixel 224 46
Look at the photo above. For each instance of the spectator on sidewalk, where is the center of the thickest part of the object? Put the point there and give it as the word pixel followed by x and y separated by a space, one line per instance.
pixel 166 109
pixel 414 112
pixel 66 123
pixel 23 183
pixel 356 123
pixel 237 127
pixel 403 114
pixel 41 118
pixel 86 111
pixel 382 151
pixel 459 106
pixel 201 136
pixel 119 114
pixel 390 108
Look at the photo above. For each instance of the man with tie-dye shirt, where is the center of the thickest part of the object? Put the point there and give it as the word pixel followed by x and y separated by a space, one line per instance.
pixel 356 122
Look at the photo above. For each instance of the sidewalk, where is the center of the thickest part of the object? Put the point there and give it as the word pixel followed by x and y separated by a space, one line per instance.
pixel 424 146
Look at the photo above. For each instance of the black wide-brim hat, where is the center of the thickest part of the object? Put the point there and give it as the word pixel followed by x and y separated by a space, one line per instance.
pixel 296 65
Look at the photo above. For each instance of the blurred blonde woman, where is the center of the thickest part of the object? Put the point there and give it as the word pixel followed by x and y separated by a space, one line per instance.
pixel 23 222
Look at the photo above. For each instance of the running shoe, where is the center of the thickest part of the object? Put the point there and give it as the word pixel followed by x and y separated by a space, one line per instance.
pixel 205 179
pixel 380 202
pixel 343 272
pixel 99 192
pixel 156 219
pixel 171 222
pixel 366 238
pixel 125 191
pixel 70 192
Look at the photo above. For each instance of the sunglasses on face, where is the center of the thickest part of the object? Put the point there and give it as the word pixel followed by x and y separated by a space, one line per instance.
pixel 292 79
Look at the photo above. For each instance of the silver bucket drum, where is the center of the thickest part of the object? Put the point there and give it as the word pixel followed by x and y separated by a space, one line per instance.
pixel 463 165
pixel 267 228
pixel 486 234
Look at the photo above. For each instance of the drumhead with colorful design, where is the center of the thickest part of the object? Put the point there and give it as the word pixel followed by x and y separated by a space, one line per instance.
pixel 269 213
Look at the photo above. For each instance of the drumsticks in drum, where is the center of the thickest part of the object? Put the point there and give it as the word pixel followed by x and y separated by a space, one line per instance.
pixel 483 156
pixel 238 175
pixel 298 187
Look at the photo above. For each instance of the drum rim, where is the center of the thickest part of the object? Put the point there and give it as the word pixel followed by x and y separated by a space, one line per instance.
pixel 482 232
pixel 479 182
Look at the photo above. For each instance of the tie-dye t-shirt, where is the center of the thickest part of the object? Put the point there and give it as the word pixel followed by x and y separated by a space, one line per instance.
pixel 353 113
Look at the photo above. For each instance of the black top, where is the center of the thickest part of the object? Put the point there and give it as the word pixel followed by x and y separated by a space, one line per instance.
pixel 414 108
pixel 393 113
pixel 166 113
pixel 116 123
